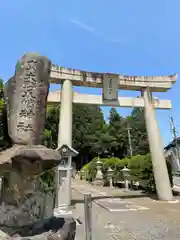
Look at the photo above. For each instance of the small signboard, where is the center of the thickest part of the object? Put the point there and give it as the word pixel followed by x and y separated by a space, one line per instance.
pixel 110 87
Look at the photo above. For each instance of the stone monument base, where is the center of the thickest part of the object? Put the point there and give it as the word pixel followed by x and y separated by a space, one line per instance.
pixel 27 202
pixel 21 171
pixel 49 229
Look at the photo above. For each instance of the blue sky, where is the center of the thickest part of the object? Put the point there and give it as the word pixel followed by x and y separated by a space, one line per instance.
pixel 131 37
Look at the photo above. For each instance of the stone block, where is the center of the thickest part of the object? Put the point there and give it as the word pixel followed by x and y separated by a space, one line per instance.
pixel 50 229
pixel 22 167
pixel 26 97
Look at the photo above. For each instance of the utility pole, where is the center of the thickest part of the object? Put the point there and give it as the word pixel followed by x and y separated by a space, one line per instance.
pixel 173 129
pixel 130 142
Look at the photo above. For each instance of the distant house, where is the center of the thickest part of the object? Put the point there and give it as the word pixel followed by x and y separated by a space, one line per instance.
pixel 172 154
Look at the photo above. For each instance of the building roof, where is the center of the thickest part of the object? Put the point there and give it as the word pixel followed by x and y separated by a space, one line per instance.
pixel 172 144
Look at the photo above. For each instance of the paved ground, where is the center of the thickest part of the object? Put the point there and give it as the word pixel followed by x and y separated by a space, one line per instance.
pixel 149 219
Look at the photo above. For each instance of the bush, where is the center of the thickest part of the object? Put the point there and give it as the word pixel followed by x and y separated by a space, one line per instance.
pixel 140 169
pixel 118 176
pixel 89 171
pixel 112 163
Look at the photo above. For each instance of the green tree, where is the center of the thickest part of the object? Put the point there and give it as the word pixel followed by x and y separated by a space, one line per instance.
pixel 89 130
pixel 51 127
pixel 102 142
pixel 4 137
pixel 139 136
pixel 118 130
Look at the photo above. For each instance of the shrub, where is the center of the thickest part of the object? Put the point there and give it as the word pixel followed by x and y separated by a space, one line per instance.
pixel 89 171
pixel 112 163
pixel 140 169
pixel 118 176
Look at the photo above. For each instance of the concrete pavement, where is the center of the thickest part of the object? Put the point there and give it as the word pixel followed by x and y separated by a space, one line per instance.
pixel 160 220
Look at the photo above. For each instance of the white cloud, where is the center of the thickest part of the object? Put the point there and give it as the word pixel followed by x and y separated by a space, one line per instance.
pixel 93 30
pixel 82 25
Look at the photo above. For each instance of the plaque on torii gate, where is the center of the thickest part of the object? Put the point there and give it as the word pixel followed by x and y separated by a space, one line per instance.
pixel 110 87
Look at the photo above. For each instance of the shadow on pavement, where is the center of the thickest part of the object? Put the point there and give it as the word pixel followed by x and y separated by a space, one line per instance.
pixel 81 200
pixel 76 201
pixel 121 197
pixel 152 196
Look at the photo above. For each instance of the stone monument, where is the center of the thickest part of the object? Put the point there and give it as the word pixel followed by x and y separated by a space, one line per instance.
pixel 26 210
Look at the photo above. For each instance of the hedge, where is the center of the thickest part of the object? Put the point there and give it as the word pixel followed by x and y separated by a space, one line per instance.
pixel 140 169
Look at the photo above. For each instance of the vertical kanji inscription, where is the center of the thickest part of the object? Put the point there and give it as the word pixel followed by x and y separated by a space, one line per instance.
pixel 26 95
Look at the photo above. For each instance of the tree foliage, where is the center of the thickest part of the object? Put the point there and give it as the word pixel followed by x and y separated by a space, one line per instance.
pixel 117 129
pixel 140 166
pixel 92 136
pixel 136 122
pixel 4 138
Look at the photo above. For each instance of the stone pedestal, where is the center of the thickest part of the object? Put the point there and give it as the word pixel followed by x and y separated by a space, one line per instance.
pixel 27 204
pixel 126 184
pixel 24 198
pixel 49 229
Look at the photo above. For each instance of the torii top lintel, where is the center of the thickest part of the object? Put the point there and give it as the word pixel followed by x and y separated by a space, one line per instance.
pixel 94 79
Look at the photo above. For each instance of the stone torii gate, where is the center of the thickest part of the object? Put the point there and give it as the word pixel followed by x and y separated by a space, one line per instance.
pixel 111 83
pixel 68 77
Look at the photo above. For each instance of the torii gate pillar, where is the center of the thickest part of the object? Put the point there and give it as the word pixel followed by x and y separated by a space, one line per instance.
pixel 65 123
pixel 161 176
pixel 65 135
